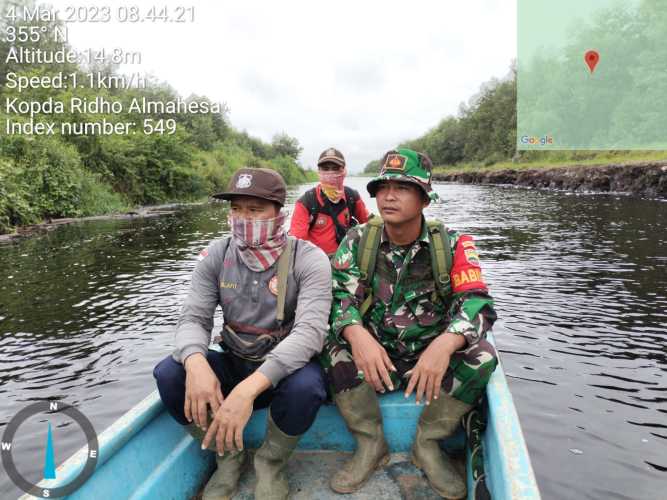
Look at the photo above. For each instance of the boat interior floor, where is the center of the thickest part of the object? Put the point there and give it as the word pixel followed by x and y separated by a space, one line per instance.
pixel 309 472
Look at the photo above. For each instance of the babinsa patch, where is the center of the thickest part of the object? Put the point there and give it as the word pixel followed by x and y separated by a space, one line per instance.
pixel 466 273
pixel 471 256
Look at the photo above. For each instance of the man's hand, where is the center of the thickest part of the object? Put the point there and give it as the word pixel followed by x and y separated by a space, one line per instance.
pixel 370 357
pixel 232 416
pixel 229 421
pixel 430 369
pixel 202 389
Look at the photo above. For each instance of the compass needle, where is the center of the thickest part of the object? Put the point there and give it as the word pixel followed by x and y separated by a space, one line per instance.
pixel 49 459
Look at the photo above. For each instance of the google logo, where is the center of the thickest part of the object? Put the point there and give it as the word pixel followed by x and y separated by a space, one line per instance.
pixel 542 141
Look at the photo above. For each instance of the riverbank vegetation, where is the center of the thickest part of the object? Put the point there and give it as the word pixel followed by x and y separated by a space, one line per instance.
pixel 552 159
pixel 185 157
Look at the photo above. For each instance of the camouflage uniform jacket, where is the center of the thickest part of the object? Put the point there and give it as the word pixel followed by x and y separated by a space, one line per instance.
pixel 407 312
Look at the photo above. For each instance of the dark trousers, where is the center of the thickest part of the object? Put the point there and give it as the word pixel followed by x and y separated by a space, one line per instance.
pixel 294 402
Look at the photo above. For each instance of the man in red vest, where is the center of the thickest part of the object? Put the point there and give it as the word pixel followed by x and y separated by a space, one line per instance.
pixel 324 213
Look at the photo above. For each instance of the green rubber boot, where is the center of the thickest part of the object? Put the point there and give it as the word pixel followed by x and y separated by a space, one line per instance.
pixel 225 480
pixel 361 411
pixel 270 461
pixel 439 420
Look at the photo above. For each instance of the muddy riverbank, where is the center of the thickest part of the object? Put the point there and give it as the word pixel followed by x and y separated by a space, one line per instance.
pixel 51 224
pixel 645 179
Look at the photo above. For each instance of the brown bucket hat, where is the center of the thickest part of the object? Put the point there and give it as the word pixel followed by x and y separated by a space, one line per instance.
pixel 331 155
pixel 259 182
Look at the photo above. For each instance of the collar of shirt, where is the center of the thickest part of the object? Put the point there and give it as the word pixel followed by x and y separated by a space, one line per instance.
pixel 423 239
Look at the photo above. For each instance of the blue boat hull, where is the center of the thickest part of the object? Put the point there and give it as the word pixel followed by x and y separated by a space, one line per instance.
pixel 146 454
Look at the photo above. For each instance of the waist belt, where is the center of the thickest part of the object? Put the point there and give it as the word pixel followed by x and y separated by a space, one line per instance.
pixel 252 350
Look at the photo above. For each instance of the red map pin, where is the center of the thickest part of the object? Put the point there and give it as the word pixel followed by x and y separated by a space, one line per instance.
pixel 592 58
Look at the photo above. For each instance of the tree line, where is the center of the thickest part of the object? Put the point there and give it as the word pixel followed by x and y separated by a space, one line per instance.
pixel 484 130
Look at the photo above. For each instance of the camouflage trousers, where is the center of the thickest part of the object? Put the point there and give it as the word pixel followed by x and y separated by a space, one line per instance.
pixel 467 375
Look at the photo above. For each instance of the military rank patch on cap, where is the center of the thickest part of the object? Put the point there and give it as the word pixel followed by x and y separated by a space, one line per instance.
pixel 394 163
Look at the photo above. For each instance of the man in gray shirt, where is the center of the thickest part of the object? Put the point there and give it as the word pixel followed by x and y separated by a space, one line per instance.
pixel 275 294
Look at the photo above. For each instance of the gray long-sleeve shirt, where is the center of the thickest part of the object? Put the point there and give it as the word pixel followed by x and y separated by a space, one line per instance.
pixel 249 298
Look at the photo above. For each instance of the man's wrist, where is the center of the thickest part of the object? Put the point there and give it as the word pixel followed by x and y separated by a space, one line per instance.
pixel 193 360
pixel 253 386
pixel 351 331
pixel 451 342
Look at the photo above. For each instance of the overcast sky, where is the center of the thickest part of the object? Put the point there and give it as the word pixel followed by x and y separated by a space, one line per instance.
pixel 358 75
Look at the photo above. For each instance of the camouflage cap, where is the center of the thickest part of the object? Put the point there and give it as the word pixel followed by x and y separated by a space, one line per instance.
pixel 404 165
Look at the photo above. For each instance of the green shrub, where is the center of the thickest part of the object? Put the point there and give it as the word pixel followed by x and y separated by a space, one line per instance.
pixel 48 172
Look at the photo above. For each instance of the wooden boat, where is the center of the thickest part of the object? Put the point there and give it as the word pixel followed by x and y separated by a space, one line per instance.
pixel 146 454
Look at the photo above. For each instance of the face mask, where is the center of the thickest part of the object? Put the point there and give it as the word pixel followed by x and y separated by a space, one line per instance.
pixel 257 233
pixel 333 184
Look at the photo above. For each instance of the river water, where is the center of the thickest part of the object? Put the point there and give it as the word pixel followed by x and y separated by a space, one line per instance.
pixel 580 283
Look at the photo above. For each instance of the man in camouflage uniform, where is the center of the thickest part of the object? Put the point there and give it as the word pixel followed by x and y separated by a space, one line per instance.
pixel 410 337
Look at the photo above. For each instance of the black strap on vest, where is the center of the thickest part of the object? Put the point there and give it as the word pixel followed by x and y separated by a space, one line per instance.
pixel 309 200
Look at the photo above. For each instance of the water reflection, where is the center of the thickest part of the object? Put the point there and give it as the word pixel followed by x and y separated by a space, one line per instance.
pixel 580 284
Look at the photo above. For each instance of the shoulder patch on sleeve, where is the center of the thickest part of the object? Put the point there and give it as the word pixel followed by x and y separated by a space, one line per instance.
pixel 202 255
pixel 214 249
pixel 466 273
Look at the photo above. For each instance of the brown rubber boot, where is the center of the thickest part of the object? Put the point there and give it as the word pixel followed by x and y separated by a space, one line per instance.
pixel 270 461
pixel 439 420
pixel 361 411
pixel 225 480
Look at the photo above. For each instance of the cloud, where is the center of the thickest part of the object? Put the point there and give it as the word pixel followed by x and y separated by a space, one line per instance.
pixel 366 76
pixel 258 85
pixel 359 75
